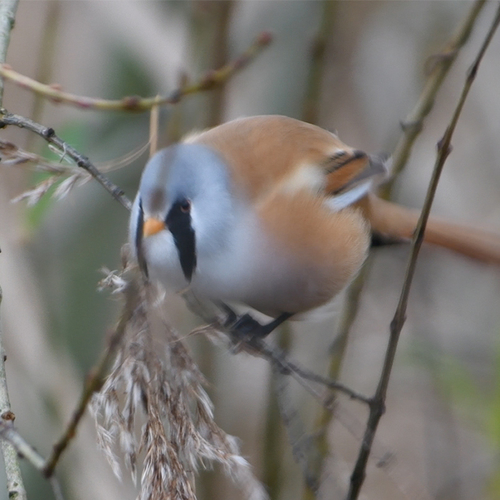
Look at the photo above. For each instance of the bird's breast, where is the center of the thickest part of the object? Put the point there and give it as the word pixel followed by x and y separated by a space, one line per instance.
pixel 289 254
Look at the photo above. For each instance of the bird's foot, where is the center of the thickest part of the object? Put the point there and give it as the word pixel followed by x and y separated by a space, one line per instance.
pixel 247 329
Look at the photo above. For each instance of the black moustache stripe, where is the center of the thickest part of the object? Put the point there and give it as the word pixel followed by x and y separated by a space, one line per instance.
pixel 179 224
pixel 138 241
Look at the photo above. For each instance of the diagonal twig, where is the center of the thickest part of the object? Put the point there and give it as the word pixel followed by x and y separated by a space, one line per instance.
pixel 412 125
pixel 377 407
pixel 82 161
pixel 281 362
pixel 210 80
pixel 411 128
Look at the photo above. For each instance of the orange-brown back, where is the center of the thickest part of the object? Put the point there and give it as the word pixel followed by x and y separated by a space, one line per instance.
pixel 266 152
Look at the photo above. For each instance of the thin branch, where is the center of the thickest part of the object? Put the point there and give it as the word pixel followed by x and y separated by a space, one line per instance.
pixel 15 485
pixel 82 161
pixel 412 125
pixel 301 374
pixel 311 107
pixel 209 81
pixel 8 10
pixel 280 361
pixel 154 119
pixel 9 433
pixel 377 407
pixel 94 383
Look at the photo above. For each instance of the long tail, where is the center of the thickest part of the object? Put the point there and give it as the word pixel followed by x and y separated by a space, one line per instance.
pixel 396 221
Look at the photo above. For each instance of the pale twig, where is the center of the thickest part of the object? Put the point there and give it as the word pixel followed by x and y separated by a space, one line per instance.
pixel 441 63
pixel 15 485
pixel 209 81
pixel 22 448
pixel 377 407
pixel 8 10
pixel 82 161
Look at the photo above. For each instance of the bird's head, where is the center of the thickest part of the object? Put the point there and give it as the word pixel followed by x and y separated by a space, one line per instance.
pixel 182 208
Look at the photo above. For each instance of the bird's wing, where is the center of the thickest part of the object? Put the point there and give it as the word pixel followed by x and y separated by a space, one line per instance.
pixel 351 176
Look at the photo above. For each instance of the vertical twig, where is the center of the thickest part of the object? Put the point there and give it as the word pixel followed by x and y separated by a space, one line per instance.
pixel 377 406
pixel 15 485
pixel 8 10
pixel 45 58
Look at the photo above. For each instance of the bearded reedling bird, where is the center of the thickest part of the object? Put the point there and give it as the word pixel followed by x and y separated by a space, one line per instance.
pixel 273 213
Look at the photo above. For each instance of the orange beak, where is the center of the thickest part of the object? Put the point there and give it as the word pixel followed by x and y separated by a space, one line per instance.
pixel 152 226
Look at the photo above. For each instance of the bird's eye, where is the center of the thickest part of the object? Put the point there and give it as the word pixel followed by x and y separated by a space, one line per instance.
pixel 185 206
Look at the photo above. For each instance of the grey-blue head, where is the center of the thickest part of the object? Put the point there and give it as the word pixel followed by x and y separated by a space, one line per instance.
pixel 187 188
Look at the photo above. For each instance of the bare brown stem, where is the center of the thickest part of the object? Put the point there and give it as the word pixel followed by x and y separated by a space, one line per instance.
pixel 209 81
pixel 377 406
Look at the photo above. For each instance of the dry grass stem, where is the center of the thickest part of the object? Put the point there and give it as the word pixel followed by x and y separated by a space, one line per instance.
pixel 154 412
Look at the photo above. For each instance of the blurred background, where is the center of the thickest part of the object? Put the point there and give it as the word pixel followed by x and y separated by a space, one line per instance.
pixel 440 436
